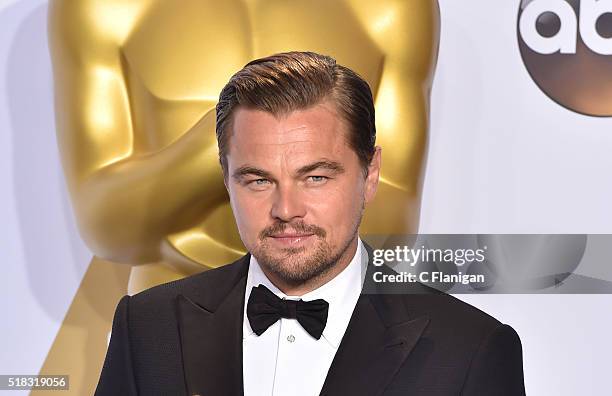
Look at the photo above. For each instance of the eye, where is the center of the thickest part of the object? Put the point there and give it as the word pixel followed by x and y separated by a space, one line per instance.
pixel 318 179
pixel 258 182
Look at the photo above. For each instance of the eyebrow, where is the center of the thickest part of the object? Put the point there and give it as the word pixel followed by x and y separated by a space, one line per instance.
pixel 246 170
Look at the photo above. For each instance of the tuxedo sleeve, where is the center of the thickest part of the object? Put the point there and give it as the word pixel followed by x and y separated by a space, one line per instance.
pixel 497 367
pixel 117 377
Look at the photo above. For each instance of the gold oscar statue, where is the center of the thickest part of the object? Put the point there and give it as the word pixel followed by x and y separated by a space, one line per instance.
pixel 136 83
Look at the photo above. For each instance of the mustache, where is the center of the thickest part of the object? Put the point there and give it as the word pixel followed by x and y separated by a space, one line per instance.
pixel 299 226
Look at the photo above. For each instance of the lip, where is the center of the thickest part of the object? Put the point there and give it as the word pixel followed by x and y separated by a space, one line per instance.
pixel 291 239
pixel 290 235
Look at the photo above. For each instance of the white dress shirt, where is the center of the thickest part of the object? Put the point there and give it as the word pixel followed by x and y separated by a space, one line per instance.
pixel 285 359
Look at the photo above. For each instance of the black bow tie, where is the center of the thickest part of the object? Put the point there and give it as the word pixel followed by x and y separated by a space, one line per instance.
pixel 265 308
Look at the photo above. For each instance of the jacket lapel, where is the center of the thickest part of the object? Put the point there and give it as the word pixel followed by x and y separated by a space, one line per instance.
pixel 370 354
pixel 210 328
pixel 379 337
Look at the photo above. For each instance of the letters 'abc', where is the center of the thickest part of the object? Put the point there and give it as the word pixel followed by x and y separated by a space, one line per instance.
pixel 564 41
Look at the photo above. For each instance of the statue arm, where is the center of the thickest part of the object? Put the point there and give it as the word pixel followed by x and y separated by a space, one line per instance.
pixel 408 35
pixel 125 203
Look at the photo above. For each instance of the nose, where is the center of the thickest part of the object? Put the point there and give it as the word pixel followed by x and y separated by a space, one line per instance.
pixel 288 203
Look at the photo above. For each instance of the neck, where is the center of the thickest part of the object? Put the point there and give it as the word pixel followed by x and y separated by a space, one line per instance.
pixel 315 283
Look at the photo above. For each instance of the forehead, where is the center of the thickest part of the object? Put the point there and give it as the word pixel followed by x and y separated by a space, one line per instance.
pixel 314 132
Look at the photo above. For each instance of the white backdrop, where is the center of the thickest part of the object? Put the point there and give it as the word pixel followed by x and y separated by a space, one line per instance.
pixel 503 158
pixel 41 253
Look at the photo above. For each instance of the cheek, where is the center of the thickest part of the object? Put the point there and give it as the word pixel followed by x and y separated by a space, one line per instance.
pixel 247 212
pixel 334 206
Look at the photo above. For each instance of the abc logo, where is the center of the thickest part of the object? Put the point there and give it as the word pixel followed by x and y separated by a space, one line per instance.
pixel 566 46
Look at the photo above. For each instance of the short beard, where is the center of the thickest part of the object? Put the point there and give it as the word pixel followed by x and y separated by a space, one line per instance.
pixel 294 270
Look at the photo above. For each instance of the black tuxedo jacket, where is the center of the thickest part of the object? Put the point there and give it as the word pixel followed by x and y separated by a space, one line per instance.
pixel 185 338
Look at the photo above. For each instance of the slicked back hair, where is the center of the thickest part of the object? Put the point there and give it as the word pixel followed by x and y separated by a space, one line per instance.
pixel 290 81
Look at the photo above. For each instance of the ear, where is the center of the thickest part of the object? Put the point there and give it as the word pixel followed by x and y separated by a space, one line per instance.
pixel 371 182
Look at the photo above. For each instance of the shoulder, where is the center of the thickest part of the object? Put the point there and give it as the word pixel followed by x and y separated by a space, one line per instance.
pixel 455 330
pixel 92 27
pixel 477 353
pixel 158 302
pixel 449 311
pixel 151 314
pixel 459 328
pixel 461 335
pixel 215 280
pixel 489 351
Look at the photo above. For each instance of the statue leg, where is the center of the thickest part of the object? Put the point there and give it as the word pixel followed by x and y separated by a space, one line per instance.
pixel 80 345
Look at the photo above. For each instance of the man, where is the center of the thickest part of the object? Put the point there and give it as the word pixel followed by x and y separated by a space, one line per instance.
pixel 296 141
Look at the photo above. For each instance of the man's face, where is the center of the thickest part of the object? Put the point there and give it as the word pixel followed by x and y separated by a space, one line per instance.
pixel 297 189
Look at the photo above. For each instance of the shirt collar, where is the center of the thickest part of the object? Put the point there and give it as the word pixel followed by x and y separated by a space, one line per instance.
pixel 342 293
